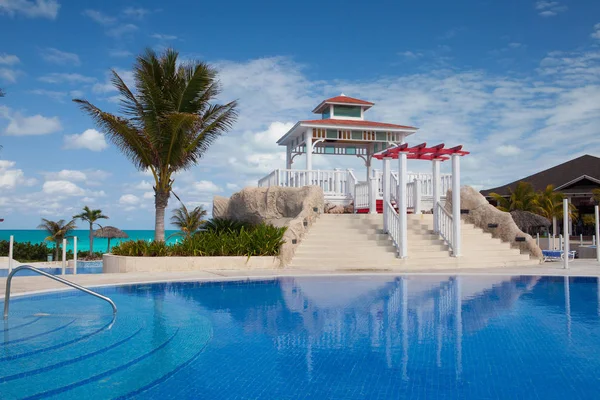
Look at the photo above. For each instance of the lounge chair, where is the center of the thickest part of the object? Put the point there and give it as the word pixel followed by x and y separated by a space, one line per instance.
pixel 556 255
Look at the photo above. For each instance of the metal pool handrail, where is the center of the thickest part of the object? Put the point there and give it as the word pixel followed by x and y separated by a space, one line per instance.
pixel 56 278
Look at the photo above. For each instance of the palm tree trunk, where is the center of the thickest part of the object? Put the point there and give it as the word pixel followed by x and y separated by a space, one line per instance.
pixel 161 199
pixel 56 249
pixel 91 253
pixel 108 246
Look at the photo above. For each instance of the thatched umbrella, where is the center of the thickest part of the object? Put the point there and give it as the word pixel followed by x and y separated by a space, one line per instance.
pixel 528 221
pixel 110 232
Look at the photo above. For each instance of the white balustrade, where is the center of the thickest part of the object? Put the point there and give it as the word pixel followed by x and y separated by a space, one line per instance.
pixel 410 194
pixel 393 225
pixel 333 182
pixel 361 195
pixel 394 188
pixel 446 225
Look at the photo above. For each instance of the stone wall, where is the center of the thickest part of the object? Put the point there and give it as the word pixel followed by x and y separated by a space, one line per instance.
pixel 280 206
pixel 482 214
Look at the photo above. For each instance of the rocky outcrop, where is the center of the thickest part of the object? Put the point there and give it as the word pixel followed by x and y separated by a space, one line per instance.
pixel 331 208
pixel 280 206
pixel 487 217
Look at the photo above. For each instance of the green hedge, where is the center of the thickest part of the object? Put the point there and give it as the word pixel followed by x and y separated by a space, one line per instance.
pixel 220 239
pixel 30 252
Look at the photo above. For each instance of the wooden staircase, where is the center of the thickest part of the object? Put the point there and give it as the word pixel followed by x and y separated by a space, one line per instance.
pixel 357 242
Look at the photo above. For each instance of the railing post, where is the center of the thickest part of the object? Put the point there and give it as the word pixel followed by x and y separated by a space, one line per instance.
pixel 10 252
pixel 597 237
pixel 373 195
pixel 566 230
pixel 386 192
pixel 403 248
pixel 75 255
pixel 277 177
pixel 417 194
pixel 309 148
pixel 456 204
pixel 64 255
pixel 436 195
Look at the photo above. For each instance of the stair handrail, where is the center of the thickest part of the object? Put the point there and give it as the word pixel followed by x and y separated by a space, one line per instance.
pixel 445 225
pixel 393 225
pixel 53 277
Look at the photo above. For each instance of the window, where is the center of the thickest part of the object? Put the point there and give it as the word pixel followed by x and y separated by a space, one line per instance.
pixel 346 111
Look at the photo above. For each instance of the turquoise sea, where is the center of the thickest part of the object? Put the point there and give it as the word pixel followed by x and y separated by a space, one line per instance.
pixel 83 240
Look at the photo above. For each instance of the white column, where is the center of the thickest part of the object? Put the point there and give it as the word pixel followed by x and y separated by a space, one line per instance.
pixel 288 156
pixel 436 193
pixel 566 230
pixel 386 191
pixel 554 227
pixel 417 195
pixel 64 255
pixel 75 255
pixel 11 244
pixel 597 233
pixel 402 180
pixel 373 190
pixel 456 204
pixel 309 148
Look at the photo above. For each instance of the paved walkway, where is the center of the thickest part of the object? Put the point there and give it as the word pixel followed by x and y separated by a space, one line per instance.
pixel 28 284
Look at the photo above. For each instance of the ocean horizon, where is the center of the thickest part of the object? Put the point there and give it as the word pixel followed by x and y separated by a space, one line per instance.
pixel 83 239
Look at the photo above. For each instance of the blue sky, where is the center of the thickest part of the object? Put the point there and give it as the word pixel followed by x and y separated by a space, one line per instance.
pixel 516 81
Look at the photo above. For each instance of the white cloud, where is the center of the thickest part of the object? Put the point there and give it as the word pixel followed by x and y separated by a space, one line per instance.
pixel 54 95
pixel 204 187
pixel 508 150
pixel 71 175
pixel 121 30
pixel 90 139
pixel 107 86
pixel 232 186
pixel 136 12
pixel 20 125
pixel 76 93
pixel 12 177
pixel 129 200
pixel 148 195
pixel 63 188
pixel 164 37
pixel 56 77
pixel 8 59
pixel 9 75
pixel 549 8
pixel 59 57
pixel 99 17
pixel 596 33
pixel 30 8
pixel 144 185
pixel 410 55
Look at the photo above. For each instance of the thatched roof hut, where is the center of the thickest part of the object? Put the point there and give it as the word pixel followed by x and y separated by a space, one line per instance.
pixel 529 222
pixel 110 232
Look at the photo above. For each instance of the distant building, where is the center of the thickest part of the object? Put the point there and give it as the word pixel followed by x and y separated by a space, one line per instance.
pixel 576 179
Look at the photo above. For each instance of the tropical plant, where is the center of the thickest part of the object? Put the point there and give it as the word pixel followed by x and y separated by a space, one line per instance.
pixel 188 222
pixel 25 251
pixel 550 203
pixel 169 119
pixel 57 231
pixel 90 216
pixel 249 240
pixel 522 198
pixel 221 225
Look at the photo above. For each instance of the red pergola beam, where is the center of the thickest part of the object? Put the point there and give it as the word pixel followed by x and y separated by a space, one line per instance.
pixel 422 152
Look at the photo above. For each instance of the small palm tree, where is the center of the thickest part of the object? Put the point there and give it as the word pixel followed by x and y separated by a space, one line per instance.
pixel 57 231
pixel 169 119
pixel 522 198
pixel 596 195
pixel 91 216
pixel 550 202
pixel 188 222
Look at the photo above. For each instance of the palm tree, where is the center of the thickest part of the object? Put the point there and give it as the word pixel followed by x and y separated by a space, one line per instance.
pixel 90 216
pixel 188 222
pixel 550 203
pixel 522 198
pixel 57 231
pixel 1 93
pixel 596 195
pixel 168 119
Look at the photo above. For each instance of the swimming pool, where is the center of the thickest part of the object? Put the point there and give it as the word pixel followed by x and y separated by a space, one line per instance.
pixel 83 267
pixel 360 337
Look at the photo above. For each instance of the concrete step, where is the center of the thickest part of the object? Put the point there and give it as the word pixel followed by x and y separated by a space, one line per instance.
pixel 326 250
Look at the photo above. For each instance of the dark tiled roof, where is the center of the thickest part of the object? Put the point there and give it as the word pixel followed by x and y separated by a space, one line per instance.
pixel 557 176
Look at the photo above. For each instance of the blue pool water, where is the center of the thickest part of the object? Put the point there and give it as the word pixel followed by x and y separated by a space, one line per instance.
pixel 425 337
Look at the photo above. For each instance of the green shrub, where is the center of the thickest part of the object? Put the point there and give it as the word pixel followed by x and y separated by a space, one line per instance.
pixel 26 251
pixel 222 239
pixel 220 225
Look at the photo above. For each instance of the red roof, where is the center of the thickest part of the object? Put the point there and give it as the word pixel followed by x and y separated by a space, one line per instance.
pixel 344 100
pixel 361 123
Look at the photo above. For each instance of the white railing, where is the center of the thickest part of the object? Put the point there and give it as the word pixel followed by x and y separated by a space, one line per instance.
pixel 445 225
pixel 410 194
pixel 394 188
pixel 393 225
pixel 352 182
pixel 361 195
pixel 426 180
pixel 333 182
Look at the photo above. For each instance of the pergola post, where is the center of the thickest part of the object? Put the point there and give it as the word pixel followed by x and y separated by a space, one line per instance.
pixel 402 178
pixel 386 191
pixel 456 204
pixel 566 223
pixel 597 234
pixel 309 148
pixel 372 181
pixel 436 194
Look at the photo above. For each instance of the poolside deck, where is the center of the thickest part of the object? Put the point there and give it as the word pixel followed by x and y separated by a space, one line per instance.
pixel 33 284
